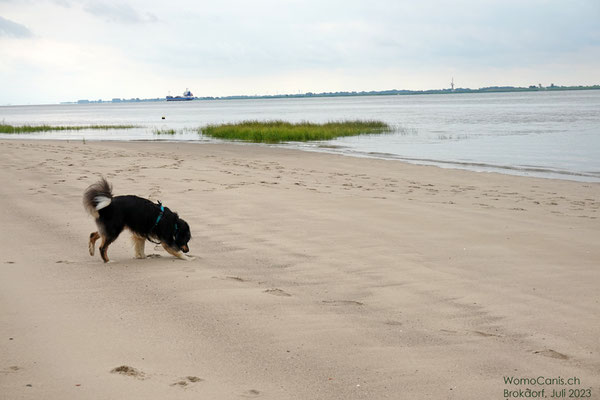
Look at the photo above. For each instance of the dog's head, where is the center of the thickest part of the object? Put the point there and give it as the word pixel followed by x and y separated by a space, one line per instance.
pixel 182 235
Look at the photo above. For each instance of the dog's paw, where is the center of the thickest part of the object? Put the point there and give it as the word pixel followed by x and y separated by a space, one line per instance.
pixel 92 249
pixel 189 258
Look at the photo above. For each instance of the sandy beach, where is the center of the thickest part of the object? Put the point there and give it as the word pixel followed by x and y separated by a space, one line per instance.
pixel 315 276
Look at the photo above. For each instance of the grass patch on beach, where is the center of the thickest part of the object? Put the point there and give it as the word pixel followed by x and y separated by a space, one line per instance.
pixel 5 128
pixel 158 131
pixel 281 131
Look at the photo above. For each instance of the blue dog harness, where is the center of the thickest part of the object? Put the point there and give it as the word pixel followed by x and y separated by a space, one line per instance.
pixel 162 211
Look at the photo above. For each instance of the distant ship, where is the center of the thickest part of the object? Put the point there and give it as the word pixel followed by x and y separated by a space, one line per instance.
pixel 187 95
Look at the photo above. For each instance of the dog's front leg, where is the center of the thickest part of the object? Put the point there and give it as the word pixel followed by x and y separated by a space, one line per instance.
pixel 139 243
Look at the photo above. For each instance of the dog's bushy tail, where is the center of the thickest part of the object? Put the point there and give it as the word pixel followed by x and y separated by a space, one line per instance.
pixel 97 196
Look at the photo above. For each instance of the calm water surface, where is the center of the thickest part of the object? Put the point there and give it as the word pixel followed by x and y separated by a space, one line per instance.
pixel 545 134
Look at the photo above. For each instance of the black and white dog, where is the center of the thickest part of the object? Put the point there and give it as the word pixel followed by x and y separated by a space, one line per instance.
pixel 145 220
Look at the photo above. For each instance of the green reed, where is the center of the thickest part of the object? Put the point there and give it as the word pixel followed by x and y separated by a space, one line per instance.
pixel 282 131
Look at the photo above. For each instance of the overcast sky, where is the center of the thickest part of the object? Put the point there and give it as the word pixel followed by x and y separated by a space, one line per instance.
pixel 65 50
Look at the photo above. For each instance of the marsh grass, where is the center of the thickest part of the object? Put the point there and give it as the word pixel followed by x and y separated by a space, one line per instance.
pixel 158 131
pixel 281 131
pixel 171 131
pixel 5 128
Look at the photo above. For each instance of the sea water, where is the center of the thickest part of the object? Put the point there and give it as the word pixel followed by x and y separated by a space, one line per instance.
pixel 552 134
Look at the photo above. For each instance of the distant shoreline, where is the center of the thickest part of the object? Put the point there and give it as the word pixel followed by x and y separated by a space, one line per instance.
pixel 393 92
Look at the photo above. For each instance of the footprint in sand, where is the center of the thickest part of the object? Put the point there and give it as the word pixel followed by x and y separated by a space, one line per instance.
pixel 343 303
pixel 392 322
pixel 11 370
pixel 552 354
pixel 128 371
pixel 252 393
pixel 235 278
pixel 484 334
pixel 277 292
pixel 185 382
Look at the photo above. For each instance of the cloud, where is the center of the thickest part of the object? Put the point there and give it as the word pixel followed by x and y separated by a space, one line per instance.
pixel 13 29
pixel 143 48
pixel 117 12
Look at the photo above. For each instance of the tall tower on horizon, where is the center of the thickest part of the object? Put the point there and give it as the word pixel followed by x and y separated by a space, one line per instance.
pixel 452 84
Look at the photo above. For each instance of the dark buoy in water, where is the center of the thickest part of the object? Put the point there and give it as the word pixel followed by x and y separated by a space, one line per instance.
pixel 163 117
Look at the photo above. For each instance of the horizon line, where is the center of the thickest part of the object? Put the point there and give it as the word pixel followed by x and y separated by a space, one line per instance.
pixel 387 92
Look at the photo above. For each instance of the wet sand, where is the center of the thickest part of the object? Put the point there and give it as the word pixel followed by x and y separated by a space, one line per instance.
pixel 315 277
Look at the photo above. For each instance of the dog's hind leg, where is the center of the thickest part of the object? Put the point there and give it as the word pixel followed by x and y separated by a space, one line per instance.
pixel 106 241
pixel 174 253
pixel 139 243
pixel 92 245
